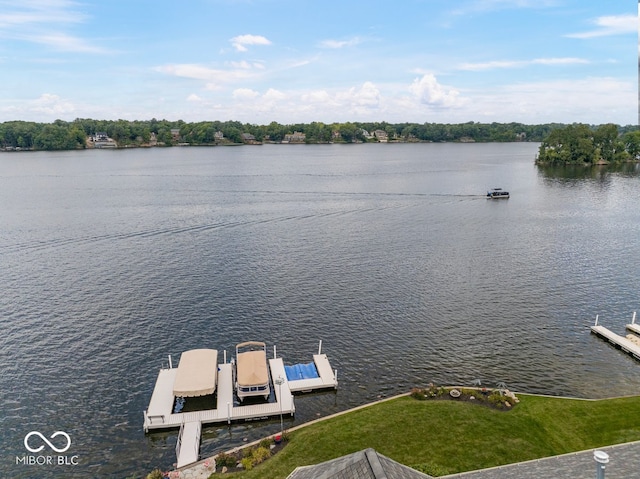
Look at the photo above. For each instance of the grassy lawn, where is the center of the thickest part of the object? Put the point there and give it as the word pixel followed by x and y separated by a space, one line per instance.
pixel 446 437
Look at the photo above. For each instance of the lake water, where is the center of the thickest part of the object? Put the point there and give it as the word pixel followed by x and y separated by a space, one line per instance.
pixel 391 254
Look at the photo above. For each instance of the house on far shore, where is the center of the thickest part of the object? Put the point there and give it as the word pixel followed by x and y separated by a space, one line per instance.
pixel 102 140
pixel 175 134
pixel 249 139
pixel 366 134
pixel 365 464
pixel 218 136
pixel 295 137
pixel 381 136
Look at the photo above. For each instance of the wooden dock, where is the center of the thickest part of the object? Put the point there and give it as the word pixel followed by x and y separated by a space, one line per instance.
pixel 626 345
pixel 160 415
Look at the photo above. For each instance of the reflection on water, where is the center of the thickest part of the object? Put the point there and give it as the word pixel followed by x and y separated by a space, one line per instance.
pixel 572 173
pixel 390 254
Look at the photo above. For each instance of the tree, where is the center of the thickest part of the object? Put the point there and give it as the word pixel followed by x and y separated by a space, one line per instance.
pixel 59 137
pixel 606 137
pixel 580 144
pixel 631 144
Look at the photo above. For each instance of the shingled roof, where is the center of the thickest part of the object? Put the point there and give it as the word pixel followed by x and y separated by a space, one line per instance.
pixel 365 464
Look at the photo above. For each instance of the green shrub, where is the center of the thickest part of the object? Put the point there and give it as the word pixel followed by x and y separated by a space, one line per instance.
pixel 261 454
pixel 496 398
pixel 223 459
pixel 247 463
pixel 418 394
pixel 266 442
pixel 155 474
pixel 247 452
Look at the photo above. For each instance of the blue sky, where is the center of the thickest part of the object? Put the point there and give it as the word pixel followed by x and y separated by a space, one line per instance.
pixel 257 61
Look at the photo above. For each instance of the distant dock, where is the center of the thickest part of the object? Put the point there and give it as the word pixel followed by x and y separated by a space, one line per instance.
pixel 160 412
pixel 629 344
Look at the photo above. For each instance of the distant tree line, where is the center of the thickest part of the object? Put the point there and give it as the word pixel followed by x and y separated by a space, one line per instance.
pixel 583 144
pixel 63 135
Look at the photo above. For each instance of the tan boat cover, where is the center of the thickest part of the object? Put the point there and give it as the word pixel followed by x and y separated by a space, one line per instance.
pixel 252 369
pixel 197 373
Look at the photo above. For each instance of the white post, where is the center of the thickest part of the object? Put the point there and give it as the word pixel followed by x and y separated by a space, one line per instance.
pixel 228 413
pixel 596 320
pixel 170 365
pixel 601 459
pixel 633 320
pixel 275 355
pixel 279 382
pixel 225 357
pixel 320 347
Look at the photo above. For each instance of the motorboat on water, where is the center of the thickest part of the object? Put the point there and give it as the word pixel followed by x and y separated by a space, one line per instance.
pixel 497 194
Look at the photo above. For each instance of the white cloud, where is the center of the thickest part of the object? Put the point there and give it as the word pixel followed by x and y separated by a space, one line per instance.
pixel 589 100
pixel 367 96
pixel 274 95
pixel 429 92
pixel 47 106
pixel 610 25
pixel 194 98
pixel 320 97
pixel 241 41
pixel 521 63
pixel 67 43
pixel 30 12
pixel 244 94
pixel 27 20
pixel 335 44
pixel 244 65
pixel 52 104
pixel 215 78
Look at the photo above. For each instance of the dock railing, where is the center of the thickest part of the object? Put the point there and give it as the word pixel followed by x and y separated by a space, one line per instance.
pixel 150 420
pixel 179 442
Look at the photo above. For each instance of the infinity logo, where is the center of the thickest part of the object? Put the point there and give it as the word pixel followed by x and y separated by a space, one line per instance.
pixel 38 449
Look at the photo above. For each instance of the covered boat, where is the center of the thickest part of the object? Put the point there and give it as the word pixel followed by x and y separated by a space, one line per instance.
pixel 497 194
pixel 252 371
pixel 197 373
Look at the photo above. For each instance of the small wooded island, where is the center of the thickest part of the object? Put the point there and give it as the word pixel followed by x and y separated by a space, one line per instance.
pixel 580 144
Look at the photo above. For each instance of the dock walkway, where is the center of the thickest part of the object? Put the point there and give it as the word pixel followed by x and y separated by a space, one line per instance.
pixel 188 446
pixel 627 345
